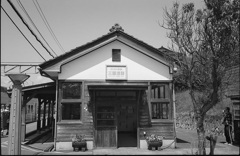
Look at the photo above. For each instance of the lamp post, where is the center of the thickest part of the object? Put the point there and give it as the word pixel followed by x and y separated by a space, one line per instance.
pixel 14 136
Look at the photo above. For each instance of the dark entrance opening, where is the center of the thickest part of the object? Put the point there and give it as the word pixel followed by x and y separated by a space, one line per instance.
pixel 127 121
pixel 115 114
pixel 116 118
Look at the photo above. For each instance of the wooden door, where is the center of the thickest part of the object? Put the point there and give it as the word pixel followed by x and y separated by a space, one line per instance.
pixel 105 126
pixel 127 118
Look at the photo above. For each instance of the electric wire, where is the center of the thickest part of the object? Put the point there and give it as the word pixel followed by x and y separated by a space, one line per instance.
pixel 25 11
pixel 19 15
pixel 47 24
pixel 23 34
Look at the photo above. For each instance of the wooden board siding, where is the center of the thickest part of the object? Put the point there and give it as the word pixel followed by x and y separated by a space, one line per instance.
pixel 100 137
pixel 143 116
pixel 66 130
pixel 161 127
pixel 164 129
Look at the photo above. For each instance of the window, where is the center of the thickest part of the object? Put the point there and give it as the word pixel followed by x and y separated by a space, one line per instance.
pixel 28 110
pixel 71 90
pixel 116 55
pixel 159 110
pixel 31 108
pixel 71 100
pixel 160 101
pixel 158 91
pixel 71 111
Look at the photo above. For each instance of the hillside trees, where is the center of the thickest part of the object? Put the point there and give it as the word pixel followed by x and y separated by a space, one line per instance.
pixel 208 41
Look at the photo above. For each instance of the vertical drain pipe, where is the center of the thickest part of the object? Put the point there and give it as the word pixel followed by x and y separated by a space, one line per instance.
pixel 174 115
pixel 56 109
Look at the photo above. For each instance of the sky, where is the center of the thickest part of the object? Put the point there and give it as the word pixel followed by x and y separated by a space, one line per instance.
pixel 74 23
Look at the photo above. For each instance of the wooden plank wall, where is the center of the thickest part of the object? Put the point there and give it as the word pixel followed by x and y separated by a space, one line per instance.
pixel 65 131
pixel 163 128
pixel 144 116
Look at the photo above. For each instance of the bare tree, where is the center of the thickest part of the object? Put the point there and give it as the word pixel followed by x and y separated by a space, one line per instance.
pixel 208 43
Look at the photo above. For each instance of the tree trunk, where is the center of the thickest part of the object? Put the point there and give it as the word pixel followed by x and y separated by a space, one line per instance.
pixel 213 141
pixel 201 133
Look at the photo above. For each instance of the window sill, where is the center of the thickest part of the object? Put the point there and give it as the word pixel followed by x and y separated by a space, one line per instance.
pixel 64 122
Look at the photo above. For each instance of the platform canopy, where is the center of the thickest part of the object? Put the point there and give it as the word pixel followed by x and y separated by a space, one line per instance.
pixel 41 91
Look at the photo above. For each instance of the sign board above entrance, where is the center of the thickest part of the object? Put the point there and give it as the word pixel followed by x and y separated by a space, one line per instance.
pixel 116 72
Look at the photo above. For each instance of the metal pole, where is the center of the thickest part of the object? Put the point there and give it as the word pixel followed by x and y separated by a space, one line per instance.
pixel 56 115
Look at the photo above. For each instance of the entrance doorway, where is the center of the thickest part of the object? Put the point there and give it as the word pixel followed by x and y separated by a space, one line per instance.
pixel 116 118
pixel 127 123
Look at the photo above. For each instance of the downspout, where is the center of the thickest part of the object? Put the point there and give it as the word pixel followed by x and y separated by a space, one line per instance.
pixel 174 113
pixel 56 115
pixel 172 71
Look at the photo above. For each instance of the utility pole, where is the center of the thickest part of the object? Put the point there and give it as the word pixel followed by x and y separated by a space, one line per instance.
pixel 14 136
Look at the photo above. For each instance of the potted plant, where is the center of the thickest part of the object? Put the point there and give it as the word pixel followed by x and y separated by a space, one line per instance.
pixel 154 142
pixel 78 142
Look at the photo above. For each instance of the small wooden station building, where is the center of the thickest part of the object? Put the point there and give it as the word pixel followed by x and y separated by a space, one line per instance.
pixel 112 90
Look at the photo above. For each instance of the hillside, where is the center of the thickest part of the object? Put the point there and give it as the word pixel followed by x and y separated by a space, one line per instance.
pixel 185 118
pixel 184 104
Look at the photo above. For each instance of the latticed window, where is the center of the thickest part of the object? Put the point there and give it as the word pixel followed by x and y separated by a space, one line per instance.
pixel 71 111
pixel 71 90
pixel 160 110
pixel 71 100
pixel 160 101
pixel 158 91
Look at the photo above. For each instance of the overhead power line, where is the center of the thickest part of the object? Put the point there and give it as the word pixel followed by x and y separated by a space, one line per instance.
pixel 23 34
pixel 19 15
pixel 47 25
pixel 25 11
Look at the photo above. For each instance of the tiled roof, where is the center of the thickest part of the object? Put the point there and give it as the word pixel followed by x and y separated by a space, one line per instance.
pixel 95 42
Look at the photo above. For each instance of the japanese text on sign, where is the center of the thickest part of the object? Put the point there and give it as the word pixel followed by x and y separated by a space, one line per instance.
pixel 116 72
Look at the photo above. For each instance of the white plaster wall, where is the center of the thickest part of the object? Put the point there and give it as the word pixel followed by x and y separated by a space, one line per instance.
pixel 92 66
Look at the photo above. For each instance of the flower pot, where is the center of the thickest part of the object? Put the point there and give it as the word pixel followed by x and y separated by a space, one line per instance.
pixel 79 145
pixel 154 145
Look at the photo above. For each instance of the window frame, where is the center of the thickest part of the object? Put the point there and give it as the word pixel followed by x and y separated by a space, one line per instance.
pixel 116 55
pixel 164 100
pixel 62 101
pixel 161 108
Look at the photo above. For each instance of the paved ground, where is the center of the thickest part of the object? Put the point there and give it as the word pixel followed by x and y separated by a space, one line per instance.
pixel 186 145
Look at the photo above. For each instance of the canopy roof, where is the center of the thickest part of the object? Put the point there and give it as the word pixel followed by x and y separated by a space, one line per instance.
pixel 43 91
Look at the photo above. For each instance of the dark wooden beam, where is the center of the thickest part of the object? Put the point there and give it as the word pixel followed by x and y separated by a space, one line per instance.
pixel 39 115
